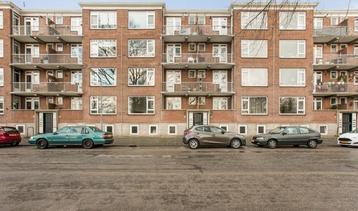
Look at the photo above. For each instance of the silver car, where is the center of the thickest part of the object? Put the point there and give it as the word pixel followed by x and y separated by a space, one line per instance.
pixel 206 134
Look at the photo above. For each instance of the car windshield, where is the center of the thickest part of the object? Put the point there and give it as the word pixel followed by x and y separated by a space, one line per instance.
pixel 277 130
pixel 96 129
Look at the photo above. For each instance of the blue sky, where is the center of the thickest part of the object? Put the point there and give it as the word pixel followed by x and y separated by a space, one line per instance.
pixel 171 4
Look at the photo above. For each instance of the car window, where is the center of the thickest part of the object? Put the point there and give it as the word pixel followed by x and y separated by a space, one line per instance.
pixel 277 130
pixel 291 131
pixel 84 131
pixel 199 129
pixel 304 130
pixel 216 130
pixel 76 129
pixel 9 129
pixel 64 130
pixel 207 129
pixel 95 129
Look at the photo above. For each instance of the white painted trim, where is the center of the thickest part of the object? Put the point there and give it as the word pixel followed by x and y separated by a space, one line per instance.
pixel 130 130
pixel 176 130
pixel 245 126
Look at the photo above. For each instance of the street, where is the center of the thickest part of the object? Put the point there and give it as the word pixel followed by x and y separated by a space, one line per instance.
pixel 177 178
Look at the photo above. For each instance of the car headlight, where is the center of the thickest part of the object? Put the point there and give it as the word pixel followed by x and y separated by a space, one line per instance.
pixel 260 138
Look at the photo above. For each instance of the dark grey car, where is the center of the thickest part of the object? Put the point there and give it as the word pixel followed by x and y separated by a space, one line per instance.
pixel 291 135
pixel 205 134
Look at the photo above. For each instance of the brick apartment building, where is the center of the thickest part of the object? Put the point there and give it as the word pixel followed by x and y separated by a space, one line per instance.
pixel 140 69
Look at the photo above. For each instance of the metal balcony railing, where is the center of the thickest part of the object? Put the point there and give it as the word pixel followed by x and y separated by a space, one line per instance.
pixel 58 30
pixel 199 87
pixel 47 87
pixel 332 31
pixel 337 59
pixel 197 58
pixel 335 87
pixel 45 59
pixel 197 30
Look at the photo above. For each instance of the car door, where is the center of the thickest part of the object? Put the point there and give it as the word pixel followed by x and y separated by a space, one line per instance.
pixel 75 136
pixel 305 135
pixel 290 136
pixel 60 137
pixel 205 135
pixel 218 135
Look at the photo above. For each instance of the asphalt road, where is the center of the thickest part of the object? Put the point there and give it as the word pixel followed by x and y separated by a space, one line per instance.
pixel 177 178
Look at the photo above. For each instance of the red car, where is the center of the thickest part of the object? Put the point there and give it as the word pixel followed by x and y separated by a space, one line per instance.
pixel 9 135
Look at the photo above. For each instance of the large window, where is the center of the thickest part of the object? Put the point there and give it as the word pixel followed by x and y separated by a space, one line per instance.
pixel 103 19
pixel 292 20
pixel 76 103
pixel 317 103
pixel 141 48
pixel 141 105
pixel 292 105
pixel 254 77
pixel 292 48
pixel 253 20
pixel 2 106
pixel 1 48
pixel 103 104
pixel 141 76
pixel 103 48
pixel 173 103
pixel 141 19
pixel 103 77
pixel 32 103
pixel 1 19
pixel 1 76
pixel 292 77
pixel 356 25
pixel 254 105
pixel 220 103
pixel 318 23
pixel 254 48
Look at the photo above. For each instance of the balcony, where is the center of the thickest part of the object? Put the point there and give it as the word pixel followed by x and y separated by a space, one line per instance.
pixel 336 61
pixel 340 34
pixel 198 89
pixel 46 61
pixel 47 34
pixel 47 89
pixel 335 89
pixel 197 33
pixel 197 61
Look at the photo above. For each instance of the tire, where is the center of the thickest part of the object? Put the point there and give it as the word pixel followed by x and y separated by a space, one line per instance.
pixel 235 143
pixel 312 144
pixel 42 144
pixel 272 144
pixel 87 144
pixel 193 144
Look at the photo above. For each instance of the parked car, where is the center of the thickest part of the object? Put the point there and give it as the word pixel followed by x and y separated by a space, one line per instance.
pixel 348 139
pixel 9 135
pixel 206 134
pixel 291 135
pixel 87 136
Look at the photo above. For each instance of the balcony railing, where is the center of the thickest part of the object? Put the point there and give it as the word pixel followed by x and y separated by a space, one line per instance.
pixel 337 87
pixel 62 30
pixel 46 88
pixel 197 58
pixel 197 30
pixel 337 59
pixel 45 59
pixel 198 87
pixel 333 31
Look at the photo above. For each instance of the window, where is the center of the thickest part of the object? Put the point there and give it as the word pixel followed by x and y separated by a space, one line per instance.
pixel 260 129
pixel 335 21
pixel 59 20
pixel 317 103
pixel 173 103
pixel 318 23
pixel 254 48
pixel 103 77
pixel 292 48
pixel 254 105
pixel 355 104
pixel 141 48
pixel 1 48
pixel 141 105
pixel 109 128
pixel 201 19
pixel 103 19
pixel 292 20
pixel 192 19
pixel 201 100
pixel 20 128
pixel 59 73
pixel 192 74
pixel 153 130
pixel 224 127
pixel 323 129
pixel 334 48
pixel 2 105
pixel 292 105
pixel 192 100
pixel 59 101
pixel 201 47
pixel 103 48
pixel 253 20
pixel 1 76
pixel 32 103
pixel 343 100
pixel 76 103
pixel 355 51
pixel 220 103
pixel 1 19
pixel 333 101
pixel 292 77
pixel 201 74
pixel 333 75
pixel 141 76
pixel 254 77
pixel 103 104
pixel 355 78
pixel 243 129
pixel 141 20
pixel 134 130
pixel 356 24
pixel 172 129
pixel 192 47
pixel 59 47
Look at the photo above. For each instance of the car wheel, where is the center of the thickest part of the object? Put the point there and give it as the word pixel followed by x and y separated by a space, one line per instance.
pixel 87 144
pixel 193 144
pixel 42 144
pixel 272 144
pixel 312 144
pixel 235 143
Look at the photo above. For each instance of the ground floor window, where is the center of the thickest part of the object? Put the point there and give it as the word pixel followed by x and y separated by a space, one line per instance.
pixel 261 129
pixel 243 129
pixel 220 103
pixel 153 129
pixel 109 128
pixel 254 105
pixel 323 129
pixel 224 127
pixel 134 130
pixel 292 105
pixel 141 105
pixel 173 103
pixel 172 129
pixel 103 104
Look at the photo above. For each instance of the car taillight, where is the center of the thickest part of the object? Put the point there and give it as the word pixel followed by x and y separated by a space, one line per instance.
pixel 105 136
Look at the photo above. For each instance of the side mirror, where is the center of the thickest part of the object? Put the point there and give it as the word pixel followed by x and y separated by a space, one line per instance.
pixel 284 133
pixel 55 133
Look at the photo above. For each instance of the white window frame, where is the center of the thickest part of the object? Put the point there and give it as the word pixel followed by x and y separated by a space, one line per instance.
pixel 247 111
pixel 356 24
pixel 59 20
pixel 250 73
pixel 221 98
pixel 2 77
pixel 257 129
pixel 105 128
pixel 301 24
pixel 147 13
pixel 148 72
pixel 2 101
pixel 175 99
pixel 97 82
pixel 1 48
pixel 355 50
pixel 330 101
pixel 192 47
pixel 191 73
pixel 74 101
pixel 96 25
pixel 355 104
pixel 299 55
pixel 97 98
pixel 317 23
pixel 300 112
pixel 331 74
pixel 59 101
pixel 345 99
pixel 59 47
pixel 149 111
pixel 24 129
pixel 245 126
pixel 326 130
pixel 1 19
pixel 317 100
pixel 95 45
pixel 130 130
pixel 301 72
pixel 224 126
pixel 247 45
pixel 148 54
pixel 355 78
pixel 59 74
pixel 201 47
pixel 150 132
pixel 255 20
pixel 176 130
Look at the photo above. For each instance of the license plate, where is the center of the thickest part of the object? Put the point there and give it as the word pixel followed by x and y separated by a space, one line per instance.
pixel 344 142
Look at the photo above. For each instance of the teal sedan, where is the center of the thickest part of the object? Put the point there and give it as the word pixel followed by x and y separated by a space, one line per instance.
pixel 87 136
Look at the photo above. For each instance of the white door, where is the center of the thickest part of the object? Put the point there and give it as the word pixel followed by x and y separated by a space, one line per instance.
pixel 318 54
pixel 220 51
pixel 31 78
pixel 31 51
pixel 173 51
pixel 173 25
pixel 220 78
pixel 173 77
pixel 76 52
pixel 76 79
pixel 32 24
pixel 220 25
pixel 76 25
